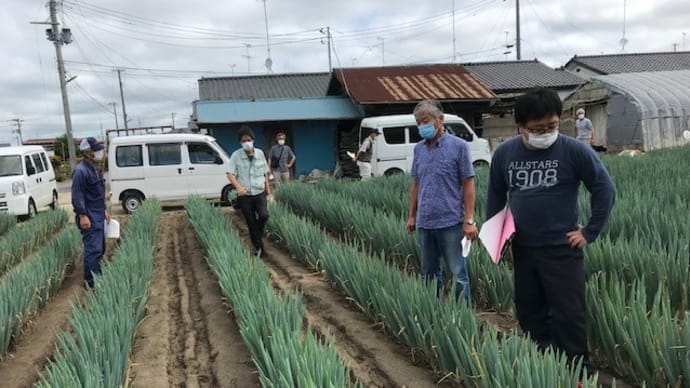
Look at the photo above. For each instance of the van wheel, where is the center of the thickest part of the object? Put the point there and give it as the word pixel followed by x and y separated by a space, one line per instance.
pixel 393 171
pixel 54 204
pixel 131 202
pixel 228 197
pixel 32 209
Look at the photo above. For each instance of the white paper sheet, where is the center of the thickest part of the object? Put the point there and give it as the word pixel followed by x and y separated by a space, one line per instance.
pixel 497 232
pixel 466 246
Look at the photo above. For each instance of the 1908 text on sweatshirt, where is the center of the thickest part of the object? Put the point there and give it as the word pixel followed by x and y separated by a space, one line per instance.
pixel 542 187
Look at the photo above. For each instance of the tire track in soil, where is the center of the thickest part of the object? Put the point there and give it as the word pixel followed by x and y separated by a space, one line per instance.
pixel 19 368
pixel 373 357
pixel 187 338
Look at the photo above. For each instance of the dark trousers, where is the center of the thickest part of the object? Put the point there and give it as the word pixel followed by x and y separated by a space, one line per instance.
pixel 255 212
pixel 550 298
pixel 94 248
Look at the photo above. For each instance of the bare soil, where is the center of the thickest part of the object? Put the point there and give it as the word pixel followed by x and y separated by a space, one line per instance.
pixel 188 338
pixel 373 356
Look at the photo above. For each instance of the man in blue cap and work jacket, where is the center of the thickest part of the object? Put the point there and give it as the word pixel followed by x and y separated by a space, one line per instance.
pixel 88 201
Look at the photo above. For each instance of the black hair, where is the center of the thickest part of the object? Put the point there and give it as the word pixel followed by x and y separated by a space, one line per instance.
pixel 537 104
pixel 245 131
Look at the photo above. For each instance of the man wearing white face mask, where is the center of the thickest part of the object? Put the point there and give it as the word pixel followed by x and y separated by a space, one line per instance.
pixel 249 175
pixel 539 174
pixel 88 201
pixel 585 129
pixel 282 159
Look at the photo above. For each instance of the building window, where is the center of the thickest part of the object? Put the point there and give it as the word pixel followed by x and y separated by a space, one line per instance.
pixel 128 156
pixel 164 154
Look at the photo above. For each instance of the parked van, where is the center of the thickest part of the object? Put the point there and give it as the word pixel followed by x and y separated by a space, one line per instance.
pixel 27 181
pixel 394 147
pixel 170 167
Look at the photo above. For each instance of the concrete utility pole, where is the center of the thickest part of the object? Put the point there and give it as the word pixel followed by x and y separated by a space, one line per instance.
pixel 327 31
pixel 173 120
pixel 383 51
pixel 18 131
pixel 60 37
pixel 455 54
pixel 114 104
pixel 518 50
pixel 122 97
pixel 249 58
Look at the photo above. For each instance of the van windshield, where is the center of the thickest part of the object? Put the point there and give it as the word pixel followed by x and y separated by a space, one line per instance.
pixel 220 147
pixel 10 165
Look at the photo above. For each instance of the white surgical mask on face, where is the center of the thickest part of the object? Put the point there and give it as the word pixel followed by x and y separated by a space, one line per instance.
pixel 543 141
pixel 98 155
pixel 281 142
pixel 581 116
pixel 248 145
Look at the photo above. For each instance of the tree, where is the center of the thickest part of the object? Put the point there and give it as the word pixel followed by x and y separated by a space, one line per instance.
pixel 60 147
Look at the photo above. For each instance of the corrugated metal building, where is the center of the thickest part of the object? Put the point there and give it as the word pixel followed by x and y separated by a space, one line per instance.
pixel 592 65
pixel 646 111
pixel 296 104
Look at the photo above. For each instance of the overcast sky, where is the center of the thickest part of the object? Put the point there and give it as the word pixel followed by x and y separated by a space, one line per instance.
pixel 165 46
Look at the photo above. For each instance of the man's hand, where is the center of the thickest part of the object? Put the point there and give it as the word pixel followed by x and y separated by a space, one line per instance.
pixel 107 217
pixel 470 231
pixel 411 225
pixel 84 222
pixel 576 239
pixel 241 191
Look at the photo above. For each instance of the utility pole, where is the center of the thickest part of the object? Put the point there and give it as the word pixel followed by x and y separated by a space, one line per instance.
pixel 455 54
pixel 683 41
pixel 518 44
pixel 60 37
pixel 18 131
pixel 675 47
pixel 122 97
pixel 327 31
pixel 173 120
pixel 249 58
pixel 269 60
pixel 383 51
pixel 114 104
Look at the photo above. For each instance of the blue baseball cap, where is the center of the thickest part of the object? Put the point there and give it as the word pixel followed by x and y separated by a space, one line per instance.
pixel 90 143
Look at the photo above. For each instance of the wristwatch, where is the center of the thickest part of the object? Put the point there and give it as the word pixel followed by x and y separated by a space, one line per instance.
pixel 470 222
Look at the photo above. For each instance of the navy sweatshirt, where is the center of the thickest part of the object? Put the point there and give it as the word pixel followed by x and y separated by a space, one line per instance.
pixel 543 187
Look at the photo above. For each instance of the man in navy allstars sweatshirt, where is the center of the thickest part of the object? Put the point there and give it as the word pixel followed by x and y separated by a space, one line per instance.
pixel 538 174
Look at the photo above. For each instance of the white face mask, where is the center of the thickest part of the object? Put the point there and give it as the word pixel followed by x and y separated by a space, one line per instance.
pixel 581 116
pixel 281 142
pixel 248 145
pixel 98 155
pixel 542 142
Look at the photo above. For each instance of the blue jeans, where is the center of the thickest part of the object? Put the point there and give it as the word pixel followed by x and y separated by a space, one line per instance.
pixel 446 243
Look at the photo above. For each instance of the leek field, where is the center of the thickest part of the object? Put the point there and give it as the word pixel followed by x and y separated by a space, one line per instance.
pixel 336 299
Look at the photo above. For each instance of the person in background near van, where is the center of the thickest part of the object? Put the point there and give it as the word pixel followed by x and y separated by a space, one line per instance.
pixel 366 151
pixel 539 174
pixel 249 175
pixel 88 201
pixel 282 159
pixel 585 129
pixel 441 198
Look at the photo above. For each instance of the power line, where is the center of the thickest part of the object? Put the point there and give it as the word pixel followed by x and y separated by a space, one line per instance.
pixel 90 97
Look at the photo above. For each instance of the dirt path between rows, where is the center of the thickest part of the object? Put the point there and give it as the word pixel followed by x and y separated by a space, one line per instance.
pixel 187 338
pixel 374 358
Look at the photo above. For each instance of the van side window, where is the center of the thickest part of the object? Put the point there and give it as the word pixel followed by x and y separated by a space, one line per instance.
pixel 201 153
pixel 414 135
pixel 461 131
pixel 128 156
pixel 164 154
pixel 27 163
pixel 46 163
pixel 394 135
pixel 37 162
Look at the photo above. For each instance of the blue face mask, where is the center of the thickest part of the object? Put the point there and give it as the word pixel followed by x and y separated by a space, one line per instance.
pixel 427 131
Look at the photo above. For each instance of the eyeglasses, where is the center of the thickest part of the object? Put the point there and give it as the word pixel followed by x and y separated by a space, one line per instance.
pixel 542 131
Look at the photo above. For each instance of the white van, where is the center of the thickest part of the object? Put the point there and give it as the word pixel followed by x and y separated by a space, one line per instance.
pixel 394 148
pixel 27 181
pixel 170 167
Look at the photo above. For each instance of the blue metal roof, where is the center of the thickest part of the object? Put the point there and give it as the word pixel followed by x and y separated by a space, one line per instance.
pixel 244 111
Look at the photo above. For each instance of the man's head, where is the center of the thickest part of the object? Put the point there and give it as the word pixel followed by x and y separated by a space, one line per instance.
pixel 580 113
pixel 373 132
pixel 538 116
pixel 280 138
pixel 429 117
pixel 246 137
pixel 92 149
